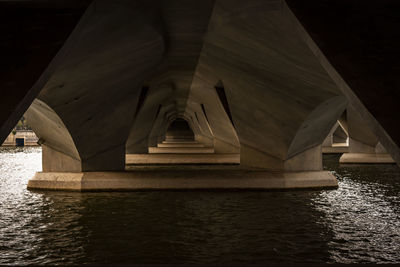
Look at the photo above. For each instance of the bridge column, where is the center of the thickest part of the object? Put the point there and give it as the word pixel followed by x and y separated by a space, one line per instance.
pixel 364 146
pixel 336 141
pixel 85 110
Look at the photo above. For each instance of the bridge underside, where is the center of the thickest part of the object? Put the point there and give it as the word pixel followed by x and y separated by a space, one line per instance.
pixel 208 94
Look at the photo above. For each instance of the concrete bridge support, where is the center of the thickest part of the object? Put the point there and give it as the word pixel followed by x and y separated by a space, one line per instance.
pixel 276 128
pixel 336 141
pixel 247 78
pixel 80 114
pixel 364 146
pixel 294 103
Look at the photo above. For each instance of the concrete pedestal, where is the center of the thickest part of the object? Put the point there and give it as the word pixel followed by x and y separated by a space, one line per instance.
pixel 182 180
pixel 366 158
pixel 178 159
pixel 181 150
pixel 182 144
pixel 335 149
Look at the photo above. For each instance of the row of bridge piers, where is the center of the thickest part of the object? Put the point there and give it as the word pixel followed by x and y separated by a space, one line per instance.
pixel 214 94
pixel 181 161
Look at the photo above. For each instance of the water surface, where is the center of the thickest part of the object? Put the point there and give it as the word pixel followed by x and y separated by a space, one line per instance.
pixel 357 223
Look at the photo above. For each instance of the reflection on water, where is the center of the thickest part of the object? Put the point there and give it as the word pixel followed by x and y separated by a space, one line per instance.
pixel 359 222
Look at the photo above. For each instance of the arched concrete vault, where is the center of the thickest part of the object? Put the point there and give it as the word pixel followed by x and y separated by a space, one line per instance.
pixel 58 145
pixel 170 118
pixel 204 134
pixel 180 128
pixel 159 124
pixel 215 125
pixel 153 106
pixel 206 103
pixel 363 145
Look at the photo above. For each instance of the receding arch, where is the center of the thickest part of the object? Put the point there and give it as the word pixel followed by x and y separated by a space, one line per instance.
pixel 317 125
pixel 54 137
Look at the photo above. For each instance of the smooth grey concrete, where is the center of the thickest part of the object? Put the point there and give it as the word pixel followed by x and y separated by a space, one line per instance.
pixel 200 158
pixel 282 101
pixel 182 180
pixel 89 96
pixel 354 101
pixel 336 135
pixel 336 141
pixel 184 150
pixel 366 158
pixel 265 72
pixel 180 144
pixel 244 75
pixel 179 141
pixel 336 148
pixel 362 141
pixel 339 136
pixel 366 65
pixel 183 24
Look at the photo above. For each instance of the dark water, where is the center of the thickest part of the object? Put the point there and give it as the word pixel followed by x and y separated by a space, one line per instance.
pixel 359 222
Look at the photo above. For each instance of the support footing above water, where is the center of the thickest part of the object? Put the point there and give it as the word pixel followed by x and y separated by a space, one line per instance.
pixel 335 149
pixel 182 180
pixel 366 158
pixel 179 159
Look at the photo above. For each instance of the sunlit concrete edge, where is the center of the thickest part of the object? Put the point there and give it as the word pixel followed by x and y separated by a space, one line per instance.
pixel 166 158
pixel 182 180
pixel 367 158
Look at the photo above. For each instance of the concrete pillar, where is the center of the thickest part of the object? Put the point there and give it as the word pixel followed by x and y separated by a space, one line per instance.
pixel 364 146
pixel 359 80
pixel 84 111
pixel 336 141
pixel 259 86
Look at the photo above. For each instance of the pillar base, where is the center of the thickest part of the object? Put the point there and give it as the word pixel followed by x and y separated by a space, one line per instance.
pixel 335 149
pixel 370 158
pixel 180 159
pixel 180 150
pixel 182 180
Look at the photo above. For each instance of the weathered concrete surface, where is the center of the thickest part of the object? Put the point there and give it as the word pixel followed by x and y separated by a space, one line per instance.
pixel 182 180
pixel 182 158
pixel 371 158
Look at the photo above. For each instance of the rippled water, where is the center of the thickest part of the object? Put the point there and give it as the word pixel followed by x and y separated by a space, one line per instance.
pixel 359 222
